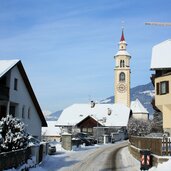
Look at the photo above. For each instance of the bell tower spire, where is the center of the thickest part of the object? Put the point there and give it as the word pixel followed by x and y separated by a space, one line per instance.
pixel 122 36
pixel 122 73
pixel 122 43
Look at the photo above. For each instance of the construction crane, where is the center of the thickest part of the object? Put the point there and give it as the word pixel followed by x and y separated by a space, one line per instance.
pixel 158 23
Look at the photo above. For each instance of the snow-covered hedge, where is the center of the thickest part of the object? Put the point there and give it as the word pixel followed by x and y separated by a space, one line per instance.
pixel 12 134
pixel 138 127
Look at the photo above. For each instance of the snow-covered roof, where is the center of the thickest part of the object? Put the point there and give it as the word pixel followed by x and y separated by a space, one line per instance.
pixel 51 130
pixel 77 112
pixel 161 55
pixel 137 107
pixel 122 52
pixel 6 65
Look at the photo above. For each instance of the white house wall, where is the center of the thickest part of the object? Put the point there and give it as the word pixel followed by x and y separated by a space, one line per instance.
pixel 22 97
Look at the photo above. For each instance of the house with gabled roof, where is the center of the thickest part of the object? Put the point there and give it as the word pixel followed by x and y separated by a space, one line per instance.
pixel 85 117
pixel 17 97
pixel 161 79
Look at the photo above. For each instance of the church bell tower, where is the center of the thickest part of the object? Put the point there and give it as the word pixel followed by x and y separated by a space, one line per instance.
pixel 122 73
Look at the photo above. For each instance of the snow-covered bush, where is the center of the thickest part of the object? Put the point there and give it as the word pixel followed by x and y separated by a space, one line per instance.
pixel 12 134
pixel 138 127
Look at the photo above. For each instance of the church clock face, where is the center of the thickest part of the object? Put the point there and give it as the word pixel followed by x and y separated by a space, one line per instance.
pixel 121 88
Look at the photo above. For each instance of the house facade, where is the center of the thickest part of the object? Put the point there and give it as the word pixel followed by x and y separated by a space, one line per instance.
pixel 161 64
pixel 85 117
pixel 17 97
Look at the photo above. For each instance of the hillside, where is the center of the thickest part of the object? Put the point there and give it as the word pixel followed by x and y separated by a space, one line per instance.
pixel 143 92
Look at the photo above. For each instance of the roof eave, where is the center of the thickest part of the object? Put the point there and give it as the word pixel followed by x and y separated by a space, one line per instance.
pixel 31 92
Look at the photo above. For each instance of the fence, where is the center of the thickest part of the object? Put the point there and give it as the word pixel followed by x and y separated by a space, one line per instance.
pixel 14 159
pixel 166 146
pixel 17 158
pixel 158 146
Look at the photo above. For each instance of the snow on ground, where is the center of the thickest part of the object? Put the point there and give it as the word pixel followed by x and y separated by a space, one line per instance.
pixel 129 162
pixel 148 92
pixel 166 166
pixel 63 159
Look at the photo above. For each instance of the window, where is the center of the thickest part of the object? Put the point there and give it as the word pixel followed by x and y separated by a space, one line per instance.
pixel 90 130
pixel 122 76
pixel 162 88
pixel 15 84
pixel 29 112
pixel 122 63
pixel 23 111
pixel 84 129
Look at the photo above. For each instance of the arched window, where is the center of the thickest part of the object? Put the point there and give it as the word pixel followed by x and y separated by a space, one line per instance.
pixel 120 63
pixel 123 63
pixel 122 76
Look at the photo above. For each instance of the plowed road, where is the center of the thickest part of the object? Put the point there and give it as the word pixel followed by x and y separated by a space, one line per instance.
pixel 100 158
pixel 110 158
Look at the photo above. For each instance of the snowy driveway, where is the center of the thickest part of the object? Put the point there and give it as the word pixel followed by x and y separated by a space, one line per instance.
pixel 98 158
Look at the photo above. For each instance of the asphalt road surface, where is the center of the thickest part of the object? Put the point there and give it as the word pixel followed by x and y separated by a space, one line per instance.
pixel 114 157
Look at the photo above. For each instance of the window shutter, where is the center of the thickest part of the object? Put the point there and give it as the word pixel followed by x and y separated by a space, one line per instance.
pixel 157 88
pixel 167 86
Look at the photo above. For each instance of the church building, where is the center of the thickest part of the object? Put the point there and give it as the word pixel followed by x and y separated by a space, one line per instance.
pixel 122 82
pixel 122 73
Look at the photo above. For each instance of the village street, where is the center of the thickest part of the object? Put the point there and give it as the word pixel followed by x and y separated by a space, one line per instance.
pixel 105 158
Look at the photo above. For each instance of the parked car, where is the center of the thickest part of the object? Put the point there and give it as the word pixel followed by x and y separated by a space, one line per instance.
pixel 85 139
pixel 51 148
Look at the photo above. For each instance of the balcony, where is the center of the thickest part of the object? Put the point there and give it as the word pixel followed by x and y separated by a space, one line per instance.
pixel 4 93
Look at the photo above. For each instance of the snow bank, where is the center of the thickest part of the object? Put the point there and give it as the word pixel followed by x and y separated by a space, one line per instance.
pixel 30 163
pixel 165 166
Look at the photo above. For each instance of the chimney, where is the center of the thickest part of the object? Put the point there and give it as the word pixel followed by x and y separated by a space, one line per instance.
pixel 92 104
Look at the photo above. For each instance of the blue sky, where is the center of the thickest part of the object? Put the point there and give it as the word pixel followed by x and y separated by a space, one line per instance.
pixel 67 47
